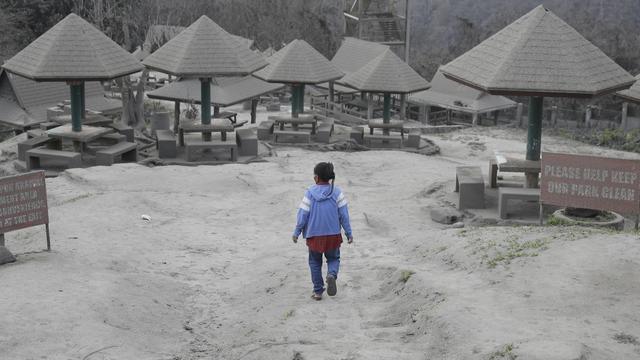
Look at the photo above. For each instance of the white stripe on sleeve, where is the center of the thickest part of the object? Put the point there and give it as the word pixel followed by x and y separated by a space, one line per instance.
pixel 342 200
pixel 305 204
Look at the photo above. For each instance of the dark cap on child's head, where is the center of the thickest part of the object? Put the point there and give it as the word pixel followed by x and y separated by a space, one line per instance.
pixel 324 171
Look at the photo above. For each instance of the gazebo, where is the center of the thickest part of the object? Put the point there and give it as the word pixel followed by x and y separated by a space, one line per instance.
pixel 630 95
pixel 76 52
pixel 538 55
pixel 225 92
pixel 204 50
pixel 386 74
pixel 298 64
pixel 451 95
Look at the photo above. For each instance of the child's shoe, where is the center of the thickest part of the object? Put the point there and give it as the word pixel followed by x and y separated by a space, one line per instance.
pixel 317 296
pixel 331 285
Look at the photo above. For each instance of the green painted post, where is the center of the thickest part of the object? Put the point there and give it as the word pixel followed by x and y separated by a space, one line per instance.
pixel 294 100
pixel 534 137
pixel 301 100
pixel 386 110
pixel 205 103
pixel 76 104
pixel 83 108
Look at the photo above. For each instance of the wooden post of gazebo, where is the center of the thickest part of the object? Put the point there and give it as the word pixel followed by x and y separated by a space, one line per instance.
pixel 205 103
pixel 254 109
pixel 176 116
pixel 625 114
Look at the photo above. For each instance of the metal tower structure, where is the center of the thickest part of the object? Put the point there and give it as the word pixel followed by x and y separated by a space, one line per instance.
pixel 379 21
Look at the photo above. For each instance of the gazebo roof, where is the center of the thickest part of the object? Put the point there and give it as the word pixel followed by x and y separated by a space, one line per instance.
pixel 73 49
pixel 224 91
pixel 538 55
pixel 449 94
pixel 299 62
pixel 633 93
pixel 24 102
pixel 354 53
pixel 386 73
pixel 204 49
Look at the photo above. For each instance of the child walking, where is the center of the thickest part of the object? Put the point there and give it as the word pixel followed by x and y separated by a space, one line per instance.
pixel 321 213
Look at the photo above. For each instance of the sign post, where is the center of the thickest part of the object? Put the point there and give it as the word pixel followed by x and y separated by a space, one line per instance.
pixel 591 182
pixel 23 204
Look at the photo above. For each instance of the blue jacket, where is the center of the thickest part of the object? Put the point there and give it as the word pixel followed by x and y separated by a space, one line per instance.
pixel 321 213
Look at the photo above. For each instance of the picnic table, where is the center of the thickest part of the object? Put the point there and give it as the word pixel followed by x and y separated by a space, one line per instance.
pixel 204 129
pixel 79 138
pixel 295 122
pixel 503 163
pixel 391 125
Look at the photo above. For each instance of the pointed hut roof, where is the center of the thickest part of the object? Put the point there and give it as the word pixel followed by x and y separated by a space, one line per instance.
pixel 540 55
pixel 34 98
pixel 204 49
pixel 386 73
pixel 224 91
pixel 299 62
pixel 633 93
pixel 73 49
pixel 354 53
pixel 449 94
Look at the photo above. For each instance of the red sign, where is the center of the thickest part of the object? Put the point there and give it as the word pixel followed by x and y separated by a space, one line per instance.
pixel 23 201
pixel 590 182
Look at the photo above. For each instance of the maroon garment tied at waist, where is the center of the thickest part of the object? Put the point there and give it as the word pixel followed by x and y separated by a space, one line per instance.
pixel 324 243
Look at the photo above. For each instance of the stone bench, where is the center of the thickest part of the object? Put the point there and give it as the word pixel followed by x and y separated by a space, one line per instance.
pixel 470 185
pixel 247 142
pixel 35 142
pixel 34 133
pixel 303 134
pixel 48 125
pixel 33 157
pixel 265 130
pixel 124 130
pixel 384 139
pixel 324 131
pixel 192 146
pixel 413 139
pixel 125 151
pixel 506 194
pixel 166 144
pixel 357 134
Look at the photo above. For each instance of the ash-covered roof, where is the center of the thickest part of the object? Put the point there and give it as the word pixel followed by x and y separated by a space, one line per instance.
pixel 540 55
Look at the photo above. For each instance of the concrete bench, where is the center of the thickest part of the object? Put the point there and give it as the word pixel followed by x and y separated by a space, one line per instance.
pixel 191 146
pixel 34 133
pixel 124 130
pixel 324 131
pixel 35 142
pixel 265 129
pixel 357 134
pixel 506 194
pixel 48 125
pixel 166 144
pixel 413 139
pixel 384 139
pixel 125 151
pixel 470 185
pixel 247 142
pixel 33 157
pixel 302 134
